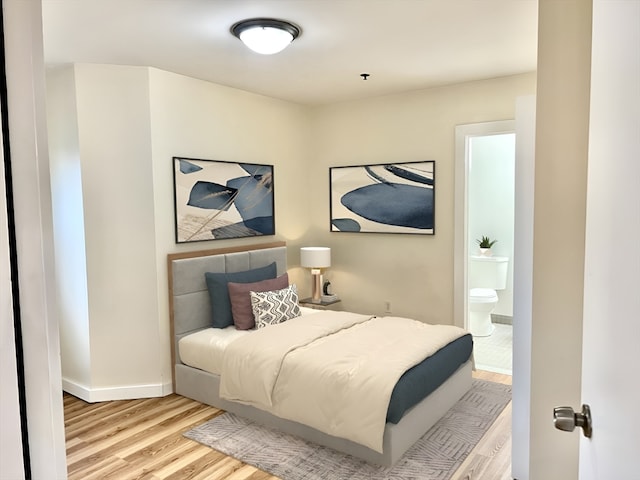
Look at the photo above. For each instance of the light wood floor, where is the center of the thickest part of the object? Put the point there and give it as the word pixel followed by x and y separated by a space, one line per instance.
pixel 142 439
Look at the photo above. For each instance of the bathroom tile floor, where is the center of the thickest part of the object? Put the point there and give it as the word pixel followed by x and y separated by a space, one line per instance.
pixel 494 353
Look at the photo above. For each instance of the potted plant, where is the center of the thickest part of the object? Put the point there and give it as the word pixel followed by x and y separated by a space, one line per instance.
pixel 485 244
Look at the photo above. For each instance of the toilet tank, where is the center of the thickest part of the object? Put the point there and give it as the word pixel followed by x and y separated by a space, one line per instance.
pixel 488 272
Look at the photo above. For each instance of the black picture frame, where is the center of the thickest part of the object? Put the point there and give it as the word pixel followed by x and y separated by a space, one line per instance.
pixel 383 198
pixel 217 199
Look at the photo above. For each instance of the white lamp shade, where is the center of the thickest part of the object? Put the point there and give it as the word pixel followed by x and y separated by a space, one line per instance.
pixel 315 257
pixel 266 40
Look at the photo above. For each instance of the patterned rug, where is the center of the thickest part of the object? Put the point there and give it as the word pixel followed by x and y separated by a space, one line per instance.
pixel 436 456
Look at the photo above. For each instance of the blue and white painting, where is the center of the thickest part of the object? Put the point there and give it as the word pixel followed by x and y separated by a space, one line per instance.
pixel 219 200
pixel 384 198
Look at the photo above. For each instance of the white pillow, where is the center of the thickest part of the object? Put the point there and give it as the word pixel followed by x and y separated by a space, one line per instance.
pixel 270 308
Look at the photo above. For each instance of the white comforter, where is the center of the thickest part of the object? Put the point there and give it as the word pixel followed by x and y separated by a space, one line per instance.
pixel 333 371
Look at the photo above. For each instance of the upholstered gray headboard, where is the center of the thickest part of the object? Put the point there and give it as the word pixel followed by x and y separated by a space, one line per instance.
pixel 190 307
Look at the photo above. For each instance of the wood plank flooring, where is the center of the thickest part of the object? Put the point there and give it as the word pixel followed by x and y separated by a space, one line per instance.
pixel 142 439
pixel 491 458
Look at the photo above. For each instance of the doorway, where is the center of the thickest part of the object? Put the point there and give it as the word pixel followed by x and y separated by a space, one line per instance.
pixel 490 213
pixel 485 189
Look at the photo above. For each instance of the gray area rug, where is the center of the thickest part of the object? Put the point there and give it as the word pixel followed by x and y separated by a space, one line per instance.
pixel 436 456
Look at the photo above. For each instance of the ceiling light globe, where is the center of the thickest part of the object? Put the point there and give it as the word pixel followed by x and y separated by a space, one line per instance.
pixel 266 40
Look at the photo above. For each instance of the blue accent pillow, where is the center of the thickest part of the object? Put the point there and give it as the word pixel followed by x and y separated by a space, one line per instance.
pixel 219 293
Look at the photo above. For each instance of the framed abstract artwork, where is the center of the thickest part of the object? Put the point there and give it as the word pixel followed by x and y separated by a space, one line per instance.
pixel 383 198
pixel 220 200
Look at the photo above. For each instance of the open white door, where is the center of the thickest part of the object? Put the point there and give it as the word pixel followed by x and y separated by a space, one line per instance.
pixel 11 453
pixel 611 328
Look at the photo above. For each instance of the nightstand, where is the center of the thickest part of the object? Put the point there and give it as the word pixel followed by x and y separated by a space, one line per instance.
pixel 306 302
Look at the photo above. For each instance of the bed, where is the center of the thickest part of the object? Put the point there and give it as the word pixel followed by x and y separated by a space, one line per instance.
pixel 200 353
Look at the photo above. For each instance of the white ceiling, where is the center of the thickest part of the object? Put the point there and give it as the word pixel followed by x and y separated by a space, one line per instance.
pixel 403 44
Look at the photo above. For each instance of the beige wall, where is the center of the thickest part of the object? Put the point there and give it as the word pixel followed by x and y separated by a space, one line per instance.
pixel 413 272
pixel 198 119
pixel 102 196
pixel 117 129
pixel 113 122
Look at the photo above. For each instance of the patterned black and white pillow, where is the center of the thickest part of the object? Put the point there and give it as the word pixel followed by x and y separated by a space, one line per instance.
pixel 271 308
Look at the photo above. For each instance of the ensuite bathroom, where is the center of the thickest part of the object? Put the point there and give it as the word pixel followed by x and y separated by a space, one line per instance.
pixel 490 210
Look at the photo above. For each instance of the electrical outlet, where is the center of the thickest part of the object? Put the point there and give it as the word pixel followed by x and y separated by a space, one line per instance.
pixel 387 306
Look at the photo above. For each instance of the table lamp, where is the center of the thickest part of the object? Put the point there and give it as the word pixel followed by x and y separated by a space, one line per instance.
pixel 315 258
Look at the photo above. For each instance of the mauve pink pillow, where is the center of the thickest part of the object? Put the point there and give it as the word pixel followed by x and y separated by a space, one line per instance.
pixel 241 300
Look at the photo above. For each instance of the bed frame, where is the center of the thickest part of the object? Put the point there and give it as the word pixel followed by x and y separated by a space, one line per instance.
pixel 190 311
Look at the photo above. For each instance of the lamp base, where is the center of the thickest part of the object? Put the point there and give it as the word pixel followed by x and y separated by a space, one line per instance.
pixel 316 275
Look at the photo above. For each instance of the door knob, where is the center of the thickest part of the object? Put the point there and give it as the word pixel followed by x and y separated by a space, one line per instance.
pixel 565 419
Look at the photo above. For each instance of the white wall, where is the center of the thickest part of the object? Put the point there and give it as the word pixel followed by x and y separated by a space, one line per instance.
pixel 413 272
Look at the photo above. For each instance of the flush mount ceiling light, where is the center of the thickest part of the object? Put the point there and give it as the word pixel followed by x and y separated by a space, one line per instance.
pixel 266 35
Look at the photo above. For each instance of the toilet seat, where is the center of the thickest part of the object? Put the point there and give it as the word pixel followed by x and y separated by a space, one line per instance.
pixel 483 295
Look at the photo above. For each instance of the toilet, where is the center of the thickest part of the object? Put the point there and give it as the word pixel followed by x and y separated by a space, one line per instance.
pixel 486 275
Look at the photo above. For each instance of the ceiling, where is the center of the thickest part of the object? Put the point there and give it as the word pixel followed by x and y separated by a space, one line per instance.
pixel 403 44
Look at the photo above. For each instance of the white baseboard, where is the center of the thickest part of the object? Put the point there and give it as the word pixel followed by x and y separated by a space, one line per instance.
pixel 106 394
